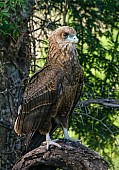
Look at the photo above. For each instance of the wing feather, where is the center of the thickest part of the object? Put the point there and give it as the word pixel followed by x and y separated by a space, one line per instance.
pixel 79 89
pixel 40 94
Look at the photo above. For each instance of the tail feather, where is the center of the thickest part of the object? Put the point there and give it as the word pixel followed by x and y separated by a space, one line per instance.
pixel 35 139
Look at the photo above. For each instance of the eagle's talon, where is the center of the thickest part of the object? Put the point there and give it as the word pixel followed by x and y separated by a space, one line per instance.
pixel 78 141
pixel 52 143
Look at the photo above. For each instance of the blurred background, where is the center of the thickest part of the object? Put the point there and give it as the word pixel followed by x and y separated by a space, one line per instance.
pixel 24 29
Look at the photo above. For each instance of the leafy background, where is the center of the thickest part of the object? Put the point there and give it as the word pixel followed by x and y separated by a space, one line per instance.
pixel 97 26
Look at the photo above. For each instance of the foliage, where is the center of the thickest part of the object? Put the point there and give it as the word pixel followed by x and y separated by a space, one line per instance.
pixel 9 17
pixel 97 26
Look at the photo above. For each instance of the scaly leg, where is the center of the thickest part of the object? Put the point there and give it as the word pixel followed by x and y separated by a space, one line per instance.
pixel 66 136
pixel 50 142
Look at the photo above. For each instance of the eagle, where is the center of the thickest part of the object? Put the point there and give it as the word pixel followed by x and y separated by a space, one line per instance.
pixel 53 92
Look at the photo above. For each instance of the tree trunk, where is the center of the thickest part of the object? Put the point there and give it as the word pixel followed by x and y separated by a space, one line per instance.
pixel 72 155
pixel 15 60
pixel 13 73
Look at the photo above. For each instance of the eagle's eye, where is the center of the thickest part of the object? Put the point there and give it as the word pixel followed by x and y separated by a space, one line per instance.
pixel 65 35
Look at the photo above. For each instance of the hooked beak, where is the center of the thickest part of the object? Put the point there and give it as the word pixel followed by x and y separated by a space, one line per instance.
pixel 72 38
pixel 75 39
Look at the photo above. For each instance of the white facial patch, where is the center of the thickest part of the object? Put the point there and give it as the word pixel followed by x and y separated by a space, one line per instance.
pixel 72 38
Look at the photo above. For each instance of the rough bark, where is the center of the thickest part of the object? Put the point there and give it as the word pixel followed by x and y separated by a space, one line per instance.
pixel 15 58
pixel 72 155
pixel 13 74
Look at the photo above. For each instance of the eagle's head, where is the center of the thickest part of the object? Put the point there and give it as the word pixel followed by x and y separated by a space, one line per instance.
pixel 64 35
pixel 61 47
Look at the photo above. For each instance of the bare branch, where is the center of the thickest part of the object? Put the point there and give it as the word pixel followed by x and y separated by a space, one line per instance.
pixel 114 103
pixel 101 121
pixel 6 125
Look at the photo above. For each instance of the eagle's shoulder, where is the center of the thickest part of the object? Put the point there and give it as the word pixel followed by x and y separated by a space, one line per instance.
pixel 46 79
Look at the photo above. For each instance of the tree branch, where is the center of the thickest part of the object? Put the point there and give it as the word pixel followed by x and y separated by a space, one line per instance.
pixel 73 156
pixel 6 125
pixel 106 102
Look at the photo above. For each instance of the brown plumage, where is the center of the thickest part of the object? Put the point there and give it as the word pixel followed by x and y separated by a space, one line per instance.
pixel 53 92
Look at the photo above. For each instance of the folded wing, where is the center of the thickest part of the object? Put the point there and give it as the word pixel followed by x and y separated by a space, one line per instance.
pixel 41 93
